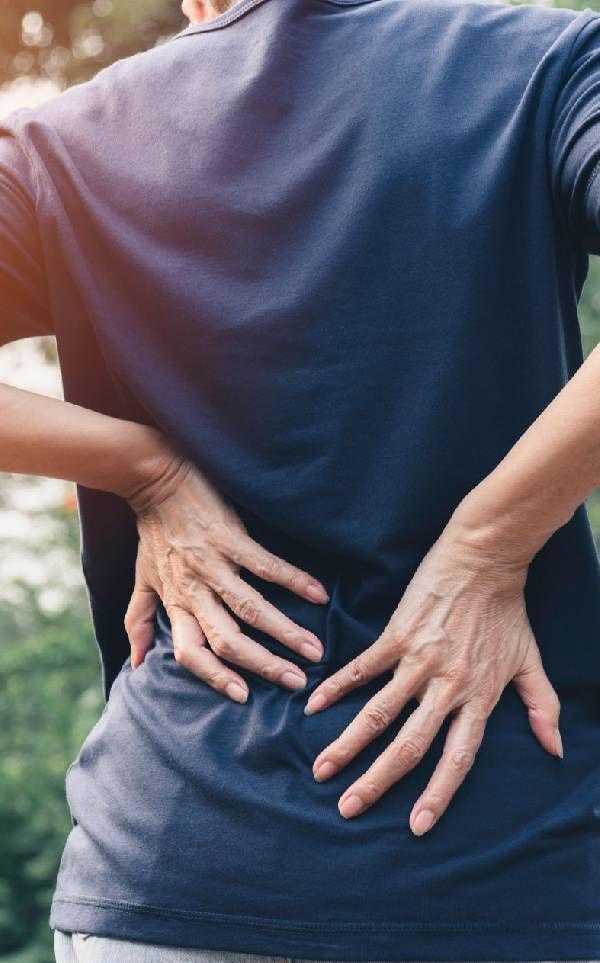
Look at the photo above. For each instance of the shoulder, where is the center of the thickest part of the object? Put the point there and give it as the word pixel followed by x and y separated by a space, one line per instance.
pixel 533 27
pixel 110 98
pixel 493 45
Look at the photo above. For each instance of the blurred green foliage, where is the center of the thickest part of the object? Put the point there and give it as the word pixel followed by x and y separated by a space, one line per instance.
pixel 49 666
pixel 589 314
pixel 68 41
pixel 50 698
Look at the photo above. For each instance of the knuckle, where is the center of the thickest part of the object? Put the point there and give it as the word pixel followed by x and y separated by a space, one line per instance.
pixel 225 647
pixel 478 708
pixel 289 634
pixel 272 670
pixel 487 701
pixel 370 788
pixel 461 759
pixel 189 586
pixel 456 679
pixel 197 603
pixel 268 568
pixel 170 602
pixel 218 680
pixel 427 661
pixel 356 671
pixel 340 752
pixel 408 751
pixel 377 717
pixel 218 583
pixel 296 580
pixel 477 712
pixel 437 801
pixel 216 533
pixel 333 686
pixel 488 692
pixel 434 717
pixel 248 611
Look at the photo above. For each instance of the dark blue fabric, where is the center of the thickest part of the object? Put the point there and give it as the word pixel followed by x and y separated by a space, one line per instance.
pixel 200 824
pixel 334 250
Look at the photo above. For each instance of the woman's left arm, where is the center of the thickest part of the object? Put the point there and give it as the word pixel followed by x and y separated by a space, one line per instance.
pixel 461 633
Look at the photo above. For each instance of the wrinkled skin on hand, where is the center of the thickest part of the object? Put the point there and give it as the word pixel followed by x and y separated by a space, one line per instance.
pixel 459 635
pixel 191 547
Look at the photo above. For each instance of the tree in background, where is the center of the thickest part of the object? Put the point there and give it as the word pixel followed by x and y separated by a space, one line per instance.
pixel 69 41
pixel 50 699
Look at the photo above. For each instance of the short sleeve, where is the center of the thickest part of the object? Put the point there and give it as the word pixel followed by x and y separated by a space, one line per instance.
pixel 24 302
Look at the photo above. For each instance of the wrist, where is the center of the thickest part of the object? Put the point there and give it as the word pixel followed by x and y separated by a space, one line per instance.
pixel 508 535
pixel 146 458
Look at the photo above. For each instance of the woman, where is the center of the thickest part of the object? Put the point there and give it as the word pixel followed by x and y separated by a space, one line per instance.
pixel 313 269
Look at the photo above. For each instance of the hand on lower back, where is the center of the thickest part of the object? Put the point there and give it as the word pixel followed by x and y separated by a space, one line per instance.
pixel 459 635
pixel 191 547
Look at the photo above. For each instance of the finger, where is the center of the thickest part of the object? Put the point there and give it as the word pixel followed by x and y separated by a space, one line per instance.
pixel 139 621
pixel 379 657
pixel 402 755
pixel 373 719
pixel 229 642
pixel 189 646
pixel 542 701
pixel 246 552
pixel 463 739
pixel 254 609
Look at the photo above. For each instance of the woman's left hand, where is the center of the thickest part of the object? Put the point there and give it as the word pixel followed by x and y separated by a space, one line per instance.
pixel 458 637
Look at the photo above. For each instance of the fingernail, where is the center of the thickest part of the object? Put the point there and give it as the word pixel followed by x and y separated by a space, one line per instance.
pixel 423 822
pixel 351 806
pixel 236 691
pixel 324 771
pixel 312 650
pixel 294 680
pixel 559 745
pixel 314 704
pixel 317 593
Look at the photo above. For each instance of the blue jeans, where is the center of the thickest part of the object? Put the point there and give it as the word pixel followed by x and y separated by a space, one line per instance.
pixel 82 948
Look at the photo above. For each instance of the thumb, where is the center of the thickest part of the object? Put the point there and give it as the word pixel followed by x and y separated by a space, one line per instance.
pixel 542 701
pixel 139 621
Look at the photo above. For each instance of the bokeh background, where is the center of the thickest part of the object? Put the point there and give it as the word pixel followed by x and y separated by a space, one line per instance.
pixel 50 686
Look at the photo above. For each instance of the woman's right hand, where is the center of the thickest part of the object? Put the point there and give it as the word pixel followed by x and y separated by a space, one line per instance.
pixel 192 544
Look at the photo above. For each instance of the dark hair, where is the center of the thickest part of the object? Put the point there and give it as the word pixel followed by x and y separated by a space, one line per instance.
pixel 223 5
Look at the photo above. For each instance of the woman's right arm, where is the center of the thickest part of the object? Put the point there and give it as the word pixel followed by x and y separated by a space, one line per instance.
pixel 192 543
pixel 57 439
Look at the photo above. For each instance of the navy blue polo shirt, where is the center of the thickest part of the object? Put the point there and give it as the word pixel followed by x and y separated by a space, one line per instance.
pixel 333 249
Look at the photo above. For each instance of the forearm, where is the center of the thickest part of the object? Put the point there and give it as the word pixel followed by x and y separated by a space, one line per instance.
pixel 544 477
pixel 57 439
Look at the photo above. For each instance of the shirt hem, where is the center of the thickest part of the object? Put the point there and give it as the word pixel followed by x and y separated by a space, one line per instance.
pixel 352 942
